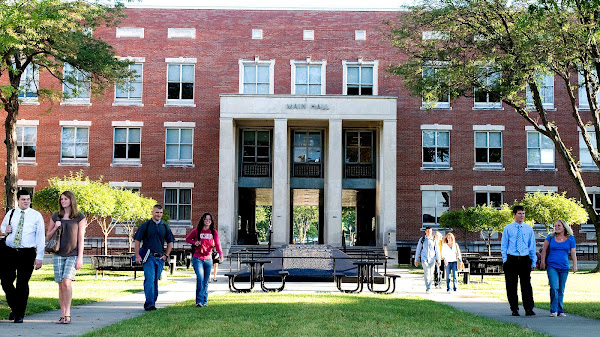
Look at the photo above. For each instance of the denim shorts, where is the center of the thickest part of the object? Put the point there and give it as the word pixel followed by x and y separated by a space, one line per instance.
pixel 64 267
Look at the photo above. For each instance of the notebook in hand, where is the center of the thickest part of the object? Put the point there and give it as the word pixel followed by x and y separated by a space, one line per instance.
pixel 144 254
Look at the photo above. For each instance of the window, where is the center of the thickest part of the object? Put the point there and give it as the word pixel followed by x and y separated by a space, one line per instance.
pixel 178 202
pixel 488 97
pixel 180 83
pixel 594 195
pixel 585 157
pixel 132 186
pixel 179 146
pixel 307 154
pixel 30 81
pixel 76 88
pixel 436 149
pixel 308 78
pixel 583 98
pixel 488 148
pixel 308 35
pixel 74 142
pixel 131 90
pixel 442 101
pixel 540 151
pixel 545 84
pixel 435 203
pixel 127 145
pixel 257 34
pixel 360 35
pixel 358 154
pixel 488 198
pixel 26 142
pixel 256 153
pixel 360 78
pixel 256 77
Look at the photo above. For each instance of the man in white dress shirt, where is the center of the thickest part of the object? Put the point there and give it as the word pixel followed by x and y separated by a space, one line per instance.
pixel 25 242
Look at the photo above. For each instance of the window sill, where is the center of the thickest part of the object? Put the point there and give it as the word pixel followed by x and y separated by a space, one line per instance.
pixel 436 108
pixel 137 104
pixel 589 169
pixel 29 102
pixel 488 168
pixel 549 108
pixel 179 165
pixel 550 169
pixel 131 164
pixel 182 104
pixel 73 164
pixel 75 103
pixel 436 168
pixel 487 108
pixel 27 163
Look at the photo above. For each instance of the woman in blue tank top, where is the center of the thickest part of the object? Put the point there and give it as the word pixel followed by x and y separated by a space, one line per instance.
pixel 557 246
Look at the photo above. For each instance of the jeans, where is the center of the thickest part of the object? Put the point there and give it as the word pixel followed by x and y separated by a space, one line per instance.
pixel 428 269
pixel 202 268
pixel 152 270
pixel 557 279
pixel 451 271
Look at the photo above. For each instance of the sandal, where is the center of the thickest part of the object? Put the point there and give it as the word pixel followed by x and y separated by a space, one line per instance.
pixel 67 320
pixel 61 320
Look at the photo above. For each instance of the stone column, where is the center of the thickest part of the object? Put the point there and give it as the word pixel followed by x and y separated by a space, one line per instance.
pixel 281 186
pixel 227 184
pixel 333 185
pixel 386 236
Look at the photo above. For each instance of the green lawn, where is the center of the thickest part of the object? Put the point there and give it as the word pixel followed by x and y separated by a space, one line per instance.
pixel 581 292
pixel 87 288
pixel 261 315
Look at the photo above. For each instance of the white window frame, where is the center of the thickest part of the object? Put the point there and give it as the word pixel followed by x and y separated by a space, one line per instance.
pixel 487 104
pixel 178 187
pixel 257 34
pixel 487 190
pixel 435 128
pixel 583 99
pixel 180 62
pixel 545 84
pixel 436 105
pixel 30 82
pixel 587 228
pixel 140 79
pixel 134 186
pixel 360 35
pixel 257 62
pixel 80 85
pixel 541 166
pixel 360 63
pixel 127 127
pixel 179 126
pixel 584 153
pixel 308 63
pixel 308 35
pixel 77 125
pixel 487 129
pixel 22 123
pixel 436 189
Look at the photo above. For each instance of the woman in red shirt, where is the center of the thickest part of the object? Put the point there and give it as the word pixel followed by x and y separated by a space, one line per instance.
pixel 205 238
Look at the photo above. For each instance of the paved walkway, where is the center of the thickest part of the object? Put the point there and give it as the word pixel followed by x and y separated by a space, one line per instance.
pixel 100 314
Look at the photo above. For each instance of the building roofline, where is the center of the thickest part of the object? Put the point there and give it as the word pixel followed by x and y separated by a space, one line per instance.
pixel 247 8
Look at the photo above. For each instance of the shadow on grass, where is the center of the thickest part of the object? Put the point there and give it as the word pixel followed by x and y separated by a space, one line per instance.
pixel 311 315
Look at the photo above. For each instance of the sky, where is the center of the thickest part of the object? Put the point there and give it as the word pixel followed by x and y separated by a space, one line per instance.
pixel 314 4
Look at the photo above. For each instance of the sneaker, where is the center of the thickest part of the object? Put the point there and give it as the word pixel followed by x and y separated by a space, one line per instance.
pixel 448 291
pixel 427 292
pixel 198 305
pixel 553 314
pixel 562 314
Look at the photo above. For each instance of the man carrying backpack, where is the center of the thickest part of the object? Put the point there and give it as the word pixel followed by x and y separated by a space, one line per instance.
pixel 153 234
pixel 429 255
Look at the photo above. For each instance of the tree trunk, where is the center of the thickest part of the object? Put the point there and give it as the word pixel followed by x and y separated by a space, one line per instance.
pixel 12 169
pixel 596 269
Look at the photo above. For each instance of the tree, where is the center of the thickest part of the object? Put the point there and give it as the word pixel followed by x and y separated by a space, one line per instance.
pixel 503 48
pixel 547 208
pixel 349 223
pixel 455 219
pixel 263 221
pixel 306 219
pixel 101 203
pixel 43 36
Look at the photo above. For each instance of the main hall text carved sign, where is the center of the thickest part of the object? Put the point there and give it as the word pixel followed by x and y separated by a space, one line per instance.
pixel 312 106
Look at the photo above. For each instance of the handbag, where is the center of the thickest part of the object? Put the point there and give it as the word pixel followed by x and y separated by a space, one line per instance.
pixel 215 255
pixel 53 245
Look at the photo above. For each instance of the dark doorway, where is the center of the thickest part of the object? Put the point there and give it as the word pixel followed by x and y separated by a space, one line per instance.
pixel 307 216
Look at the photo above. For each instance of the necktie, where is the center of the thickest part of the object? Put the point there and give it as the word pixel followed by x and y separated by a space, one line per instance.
pixel 519 245
pixel 19 232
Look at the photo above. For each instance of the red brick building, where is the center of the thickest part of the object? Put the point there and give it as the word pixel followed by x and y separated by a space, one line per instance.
pixel 238 108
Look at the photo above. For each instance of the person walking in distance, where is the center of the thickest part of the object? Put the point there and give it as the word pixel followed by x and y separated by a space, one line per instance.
pixel 152 234
pixel 429 255
pixel 518 255
pixel 25 241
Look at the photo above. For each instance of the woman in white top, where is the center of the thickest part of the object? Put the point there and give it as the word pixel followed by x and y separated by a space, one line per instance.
pixel 451 255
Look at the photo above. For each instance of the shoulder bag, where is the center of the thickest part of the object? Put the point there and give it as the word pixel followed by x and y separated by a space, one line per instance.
pixel 53 245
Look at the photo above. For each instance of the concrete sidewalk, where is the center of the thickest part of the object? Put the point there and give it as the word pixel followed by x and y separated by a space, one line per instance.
pixel 100 314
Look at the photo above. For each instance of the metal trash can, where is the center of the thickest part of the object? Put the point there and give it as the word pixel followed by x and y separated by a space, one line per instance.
pixel 404 255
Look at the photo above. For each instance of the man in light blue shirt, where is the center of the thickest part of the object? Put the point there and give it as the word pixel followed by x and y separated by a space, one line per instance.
pixel 428 253
pixel 518 255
